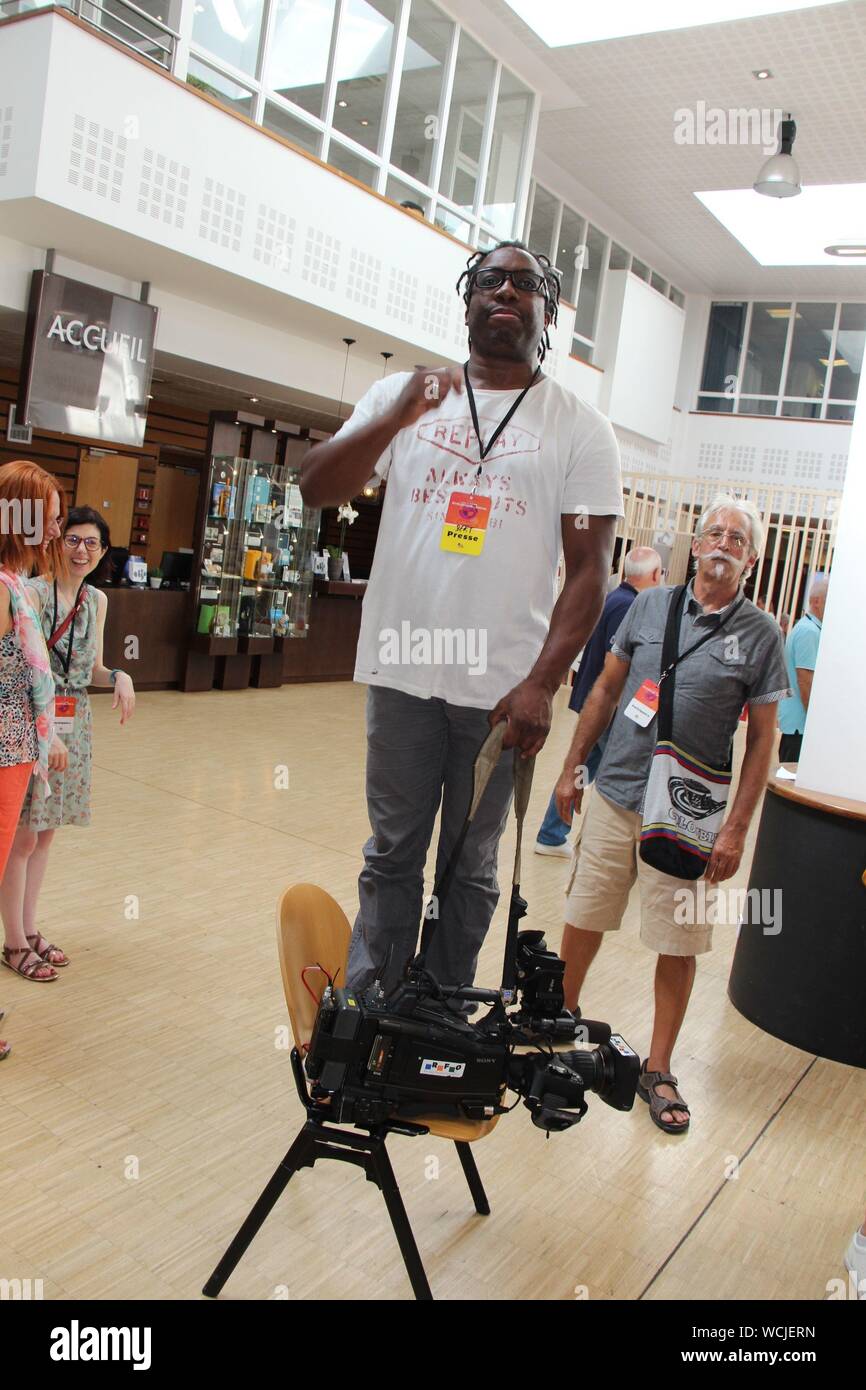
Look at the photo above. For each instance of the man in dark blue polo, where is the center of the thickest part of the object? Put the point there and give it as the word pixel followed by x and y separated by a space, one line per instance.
pixel 642 570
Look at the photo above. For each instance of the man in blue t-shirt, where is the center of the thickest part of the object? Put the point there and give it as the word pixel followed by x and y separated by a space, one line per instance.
pixel 801 657
pixel 642 570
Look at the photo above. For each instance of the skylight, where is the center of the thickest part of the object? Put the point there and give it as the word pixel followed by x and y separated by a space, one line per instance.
pixel 793 231
pixel 561 22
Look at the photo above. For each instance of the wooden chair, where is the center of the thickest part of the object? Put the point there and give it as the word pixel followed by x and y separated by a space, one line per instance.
pixel 313 929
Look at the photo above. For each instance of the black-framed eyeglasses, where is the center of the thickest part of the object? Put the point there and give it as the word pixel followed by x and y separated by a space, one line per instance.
pixel 527 281
pixel 91 542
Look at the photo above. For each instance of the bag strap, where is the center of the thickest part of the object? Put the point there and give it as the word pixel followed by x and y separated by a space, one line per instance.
pixel 63 627
pixel 670 659
pixel 486 760
pixel 668 666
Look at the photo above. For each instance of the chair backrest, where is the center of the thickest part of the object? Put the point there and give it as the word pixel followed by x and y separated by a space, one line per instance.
pixel 312 929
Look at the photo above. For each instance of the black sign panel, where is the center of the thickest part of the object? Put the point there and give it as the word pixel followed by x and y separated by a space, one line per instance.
pixel 88 359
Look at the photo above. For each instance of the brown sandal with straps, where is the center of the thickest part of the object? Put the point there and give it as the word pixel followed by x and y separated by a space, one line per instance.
pixel 28 968
pixel 647 1084
pixel 46 951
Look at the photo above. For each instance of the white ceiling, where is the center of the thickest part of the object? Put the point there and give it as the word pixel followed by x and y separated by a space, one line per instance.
pixel 618 141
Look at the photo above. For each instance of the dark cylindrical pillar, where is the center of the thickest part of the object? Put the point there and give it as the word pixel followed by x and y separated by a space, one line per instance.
pixel 801 974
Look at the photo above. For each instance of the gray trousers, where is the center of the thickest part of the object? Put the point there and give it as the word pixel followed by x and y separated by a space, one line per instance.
pixel 418 753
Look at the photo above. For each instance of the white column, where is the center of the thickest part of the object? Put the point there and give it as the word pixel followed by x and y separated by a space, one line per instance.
pixel 833 757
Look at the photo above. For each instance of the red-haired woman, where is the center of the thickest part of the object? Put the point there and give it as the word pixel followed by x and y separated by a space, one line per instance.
pixel 32 505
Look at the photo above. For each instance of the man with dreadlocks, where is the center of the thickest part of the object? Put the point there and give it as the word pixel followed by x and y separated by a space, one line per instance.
pixel 492 470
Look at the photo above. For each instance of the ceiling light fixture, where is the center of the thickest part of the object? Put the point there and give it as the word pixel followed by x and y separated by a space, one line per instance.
pixel 341 102
pixel 350 342
pixel 779 176
pixel 254 400
pixel 762 74
pixel 846 248
pixel 837 361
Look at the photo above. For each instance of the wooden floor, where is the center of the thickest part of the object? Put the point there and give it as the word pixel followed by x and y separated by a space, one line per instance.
pixel 146 1102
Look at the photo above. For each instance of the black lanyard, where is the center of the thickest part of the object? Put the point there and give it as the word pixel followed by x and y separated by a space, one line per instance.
pixel 672 633
pixel 484 449
pixel 65 662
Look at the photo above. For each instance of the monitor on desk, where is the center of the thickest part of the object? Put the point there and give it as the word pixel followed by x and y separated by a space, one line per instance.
pixel 117 558
pixel 176 566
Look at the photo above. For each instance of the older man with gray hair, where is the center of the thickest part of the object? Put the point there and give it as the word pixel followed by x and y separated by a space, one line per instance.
pixel 801 656
pixel 642 569
pixel 729 655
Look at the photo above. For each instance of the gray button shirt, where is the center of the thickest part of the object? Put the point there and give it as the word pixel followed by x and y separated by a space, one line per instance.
pixel 742 664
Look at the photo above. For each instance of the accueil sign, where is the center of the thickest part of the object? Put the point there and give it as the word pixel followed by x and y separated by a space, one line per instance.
pixel 88 359
pixel 95 338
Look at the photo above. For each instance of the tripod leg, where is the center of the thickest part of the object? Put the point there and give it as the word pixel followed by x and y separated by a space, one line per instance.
pixel 289 1166
pixel 473 1177
pixel 383 1176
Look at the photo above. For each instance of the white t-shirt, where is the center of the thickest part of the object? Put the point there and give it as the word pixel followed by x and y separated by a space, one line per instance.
pixel 468 628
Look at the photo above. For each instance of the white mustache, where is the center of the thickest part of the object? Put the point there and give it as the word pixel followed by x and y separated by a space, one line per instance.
pixel 719 555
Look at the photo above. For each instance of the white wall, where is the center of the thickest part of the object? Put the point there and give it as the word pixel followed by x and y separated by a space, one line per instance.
pixel 807 454
pixel 585 381
pixel 639 339
pixel 692 352
pixel 138 175
pixel 833 757
pixel 261 260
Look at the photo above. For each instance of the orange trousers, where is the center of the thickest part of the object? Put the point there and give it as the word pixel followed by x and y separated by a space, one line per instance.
pixel 13 785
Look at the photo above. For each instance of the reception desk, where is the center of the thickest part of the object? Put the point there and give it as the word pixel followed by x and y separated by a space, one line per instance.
pixel 147 633
pixel 806 982
pixel 327 653
pixel 156 625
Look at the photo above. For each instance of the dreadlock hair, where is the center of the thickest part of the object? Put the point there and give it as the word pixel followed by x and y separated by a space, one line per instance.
pixel 552 283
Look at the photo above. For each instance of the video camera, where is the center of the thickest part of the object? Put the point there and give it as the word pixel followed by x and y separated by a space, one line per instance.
pixel 375 1059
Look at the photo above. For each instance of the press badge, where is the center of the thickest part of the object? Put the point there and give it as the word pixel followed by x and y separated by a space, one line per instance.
pixel 64 713
pixel 643 705
pixel 465 523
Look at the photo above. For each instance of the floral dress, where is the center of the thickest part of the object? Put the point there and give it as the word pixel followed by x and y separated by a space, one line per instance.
pixel 69 801
pixel 17 723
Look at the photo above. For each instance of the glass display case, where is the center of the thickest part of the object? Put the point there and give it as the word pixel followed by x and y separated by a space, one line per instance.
pixel 255 574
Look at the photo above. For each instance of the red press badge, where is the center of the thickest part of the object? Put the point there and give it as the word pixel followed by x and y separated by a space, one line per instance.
pixel 465 523
pixel 64 713
pixel 468 509
pixel 644 703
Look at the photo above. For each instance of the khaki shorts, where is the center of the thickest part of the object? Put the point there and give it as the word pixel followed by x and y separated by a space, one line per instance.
pixel 606 864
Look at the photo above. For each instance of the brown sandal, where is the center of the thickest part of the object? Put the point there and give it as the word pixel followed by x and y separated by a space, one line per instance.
pixel 28 969
pixel 46 951
pixel 647 1084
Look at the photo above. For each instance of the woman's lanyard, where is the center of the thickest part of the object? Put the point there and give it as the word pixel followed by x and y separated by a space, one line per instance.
pixel 69 621
pixel 484 449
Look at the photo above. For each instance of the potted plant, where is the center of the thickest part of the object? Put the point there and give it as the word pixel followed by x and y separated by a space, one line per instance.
pixel 346 515
pixel 156 578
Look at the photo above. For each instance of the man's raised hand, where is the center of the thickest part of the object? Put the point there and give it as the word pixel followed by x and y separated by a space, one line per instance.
pixel 424 390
